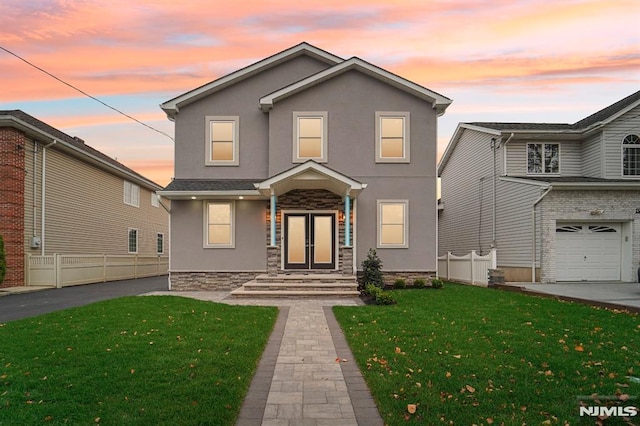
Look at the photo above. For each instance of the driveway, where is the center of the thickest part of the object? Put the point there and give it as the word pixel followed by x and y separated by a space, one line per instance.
pixel 18 306
pixel 608 294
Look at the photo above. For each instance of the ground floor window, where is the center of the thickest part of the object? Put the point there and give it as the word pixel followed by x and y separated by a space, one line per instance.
pixel 392 223
pixel 219 224
pixel 133 240
pixel 160 243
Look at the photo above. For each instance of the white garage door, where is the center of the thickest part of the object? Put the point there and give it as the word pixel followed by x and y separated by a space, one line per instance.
pixel 588 252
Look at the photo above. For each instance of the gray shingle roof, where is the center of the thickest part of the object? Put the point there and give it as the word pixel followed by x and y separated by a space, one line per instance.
pixel 189 185
pixel 574 179
pixel 583 124
pixel 75 142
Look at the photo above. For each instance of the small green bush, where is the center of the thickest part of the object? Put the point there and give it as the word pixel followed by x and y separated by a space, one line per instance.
pixel 399 284
pixel 437 283
pixel 372 289
pixel 419 283
pixel 381 296
pixel 372 269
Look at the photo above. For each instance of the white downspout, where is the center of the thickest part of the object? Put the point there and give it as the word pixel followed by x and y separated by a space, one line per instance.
pixel 44 179
pixel 533 215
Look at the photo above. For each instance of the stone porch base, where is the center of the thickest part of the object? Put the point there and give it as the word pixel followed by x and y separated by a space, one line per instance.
pixel 210 281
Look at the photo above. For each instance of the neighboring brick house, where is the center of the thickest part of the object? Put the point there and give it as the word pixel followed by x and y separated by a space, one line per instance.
pixel 559 202
pixel 59 195
pixel 298 164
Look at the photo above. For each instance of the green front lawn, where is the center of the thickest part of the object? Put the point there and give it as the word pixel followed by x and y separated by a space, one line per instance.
pixel 135 360
pixel 468 355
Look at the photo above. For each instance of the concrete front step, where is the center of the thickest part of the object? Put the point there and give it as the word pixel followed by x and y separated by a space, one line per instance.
pixel 301 293
pixel 306 278
pixel 295 286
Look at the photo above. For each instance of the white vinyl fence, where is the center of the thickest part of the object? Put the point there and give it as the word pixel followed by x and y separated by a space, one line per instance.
pixel 470 268
pixel 61 270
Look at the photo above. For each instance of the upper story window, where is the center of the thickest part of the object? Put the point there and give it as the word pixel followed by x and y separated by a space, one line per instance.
pixel 392 223
pixel 222 144
pixel 219 224
pixel 392 137
pixel 543 158
pixel 131 194
pixel 155 200
pixel 631 155
pixel 310 136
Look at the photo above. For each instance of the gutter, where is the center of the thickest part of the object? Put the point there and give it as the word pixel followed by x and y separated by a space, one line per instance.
pixel 43 196
pixel 533 241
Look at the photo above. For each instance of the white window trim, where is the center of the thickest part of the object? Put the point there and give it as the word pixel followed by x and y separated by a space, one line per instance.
pixel 236 140
pixel 379 204
pixel 324 139
pixel 134 194
pixel 155 200
pixel 137 240
pixel 622 148
pixel 158 234
pixel 205 233
pixel 406 147
pixel 526 159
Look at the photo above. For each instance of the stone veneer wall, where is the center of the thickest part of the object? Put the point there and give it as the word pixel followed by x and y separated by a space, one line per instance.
pixel 210 281
pixel 390 277
pixel 12 176
pixel 576 206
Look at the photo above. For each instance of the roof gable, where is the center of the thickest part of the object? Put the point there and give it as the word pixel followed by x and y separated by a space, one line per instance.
pixel 439 102
pixel 172 106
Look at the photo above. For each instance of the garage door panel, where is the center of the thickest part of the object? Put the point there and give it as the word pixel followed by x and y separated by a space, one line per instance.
pixel 588 252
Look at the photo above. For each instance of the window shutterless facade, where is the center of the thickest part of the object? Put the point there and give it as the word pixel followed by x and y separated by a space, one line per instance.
pixel 222 141
pixel 132 240
pixel 219 224
pixel 543 158
pixel 631 156
pixel 393 220
pixel 131 194
pixel 309 136
pixel 160 243
pixel 392 137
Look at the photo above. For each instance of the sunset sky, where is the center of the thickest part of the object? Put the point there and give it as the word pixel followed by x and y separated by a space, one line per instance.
pixel 499 60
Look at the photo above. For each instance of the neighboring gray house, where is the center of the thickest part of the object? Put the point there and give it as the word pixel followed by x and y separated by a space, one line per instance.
pixel 562 200
pixel 271 159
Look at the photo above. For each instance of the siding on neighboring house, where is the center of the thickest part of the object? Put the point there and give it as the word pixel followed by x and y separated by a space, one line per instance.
pixel 468 175
pixel 516 158
pixel 570 157
pixel 85 211
pixel 515 226
pixel 612 135
pixel 592 162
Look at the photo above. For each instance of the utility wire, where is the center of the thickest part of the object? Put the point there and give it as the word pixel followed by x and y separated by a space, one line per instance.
pixel 86 94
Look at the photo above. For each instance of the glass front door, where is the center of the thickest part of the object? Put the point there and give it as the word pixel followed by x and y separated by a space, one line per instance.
pixel 309 240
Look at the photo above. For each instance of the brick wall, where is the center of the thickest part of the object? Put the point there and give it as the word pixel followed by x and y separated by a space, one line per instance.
pixel 12 175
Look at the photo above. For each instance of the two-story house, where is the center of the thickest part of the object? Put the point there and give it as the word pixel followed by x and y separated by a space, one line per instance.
pixel 559 202
pixel 300 163
pixel 60 196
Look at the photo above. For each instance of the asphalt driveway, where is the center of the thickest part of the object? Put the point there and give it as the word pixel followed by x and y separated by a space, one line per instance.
pixel 18 306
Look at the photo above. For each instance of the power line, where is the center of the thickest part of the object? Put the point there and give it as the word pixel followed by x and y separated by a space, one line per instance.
pixel 86 94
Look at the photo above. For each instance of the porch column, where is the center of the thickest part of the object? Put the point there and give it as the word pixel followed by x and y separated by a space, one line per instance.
pixel 273 219
pixel 347 220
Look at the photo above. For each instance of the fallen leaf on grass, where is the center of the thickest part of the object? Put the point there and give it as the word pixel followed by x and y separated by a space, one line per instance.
pixel 489 420
pixel 470 388
pixel 448 375
pixel 579 348
pixel 411 408
pixel 457 356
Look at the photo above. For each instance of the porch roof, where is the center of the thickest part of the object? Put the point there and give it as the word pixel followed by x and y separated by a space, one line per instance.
pixel 311 175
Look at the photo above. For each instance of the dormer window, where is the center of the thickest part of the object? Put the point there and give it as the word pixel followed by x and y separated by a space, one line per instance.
pixel 543 158
pixel 631 155
pixel 309 136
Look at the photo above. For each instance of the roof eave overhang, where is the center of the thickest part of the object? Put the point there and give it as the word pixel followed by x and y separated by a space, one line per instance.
pixel 250 194
pixel 35 133
pixel 597 186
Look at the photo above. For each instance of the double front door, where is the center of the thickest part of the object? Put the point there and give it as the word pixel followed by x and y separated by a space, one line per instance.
pixel 309 240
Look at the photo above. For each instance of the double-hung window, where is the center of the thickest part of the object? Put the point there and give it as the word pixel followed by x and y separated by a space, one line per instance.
pixel 132 240
pixel 309 136
pixel 393 222
pixel 392 137
pixel 222 143
pixel 219 224
pixel 543 158
pixel 631 155
pixel 131 194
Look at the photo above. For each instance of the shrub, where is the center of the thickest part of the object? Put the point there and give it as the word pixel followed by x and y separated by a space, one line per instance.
pixel 3 261
pixel 372 269
pixel 381 296
pixel 372 289
pixel 436 283
pixel 419 283
pixel 399 283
